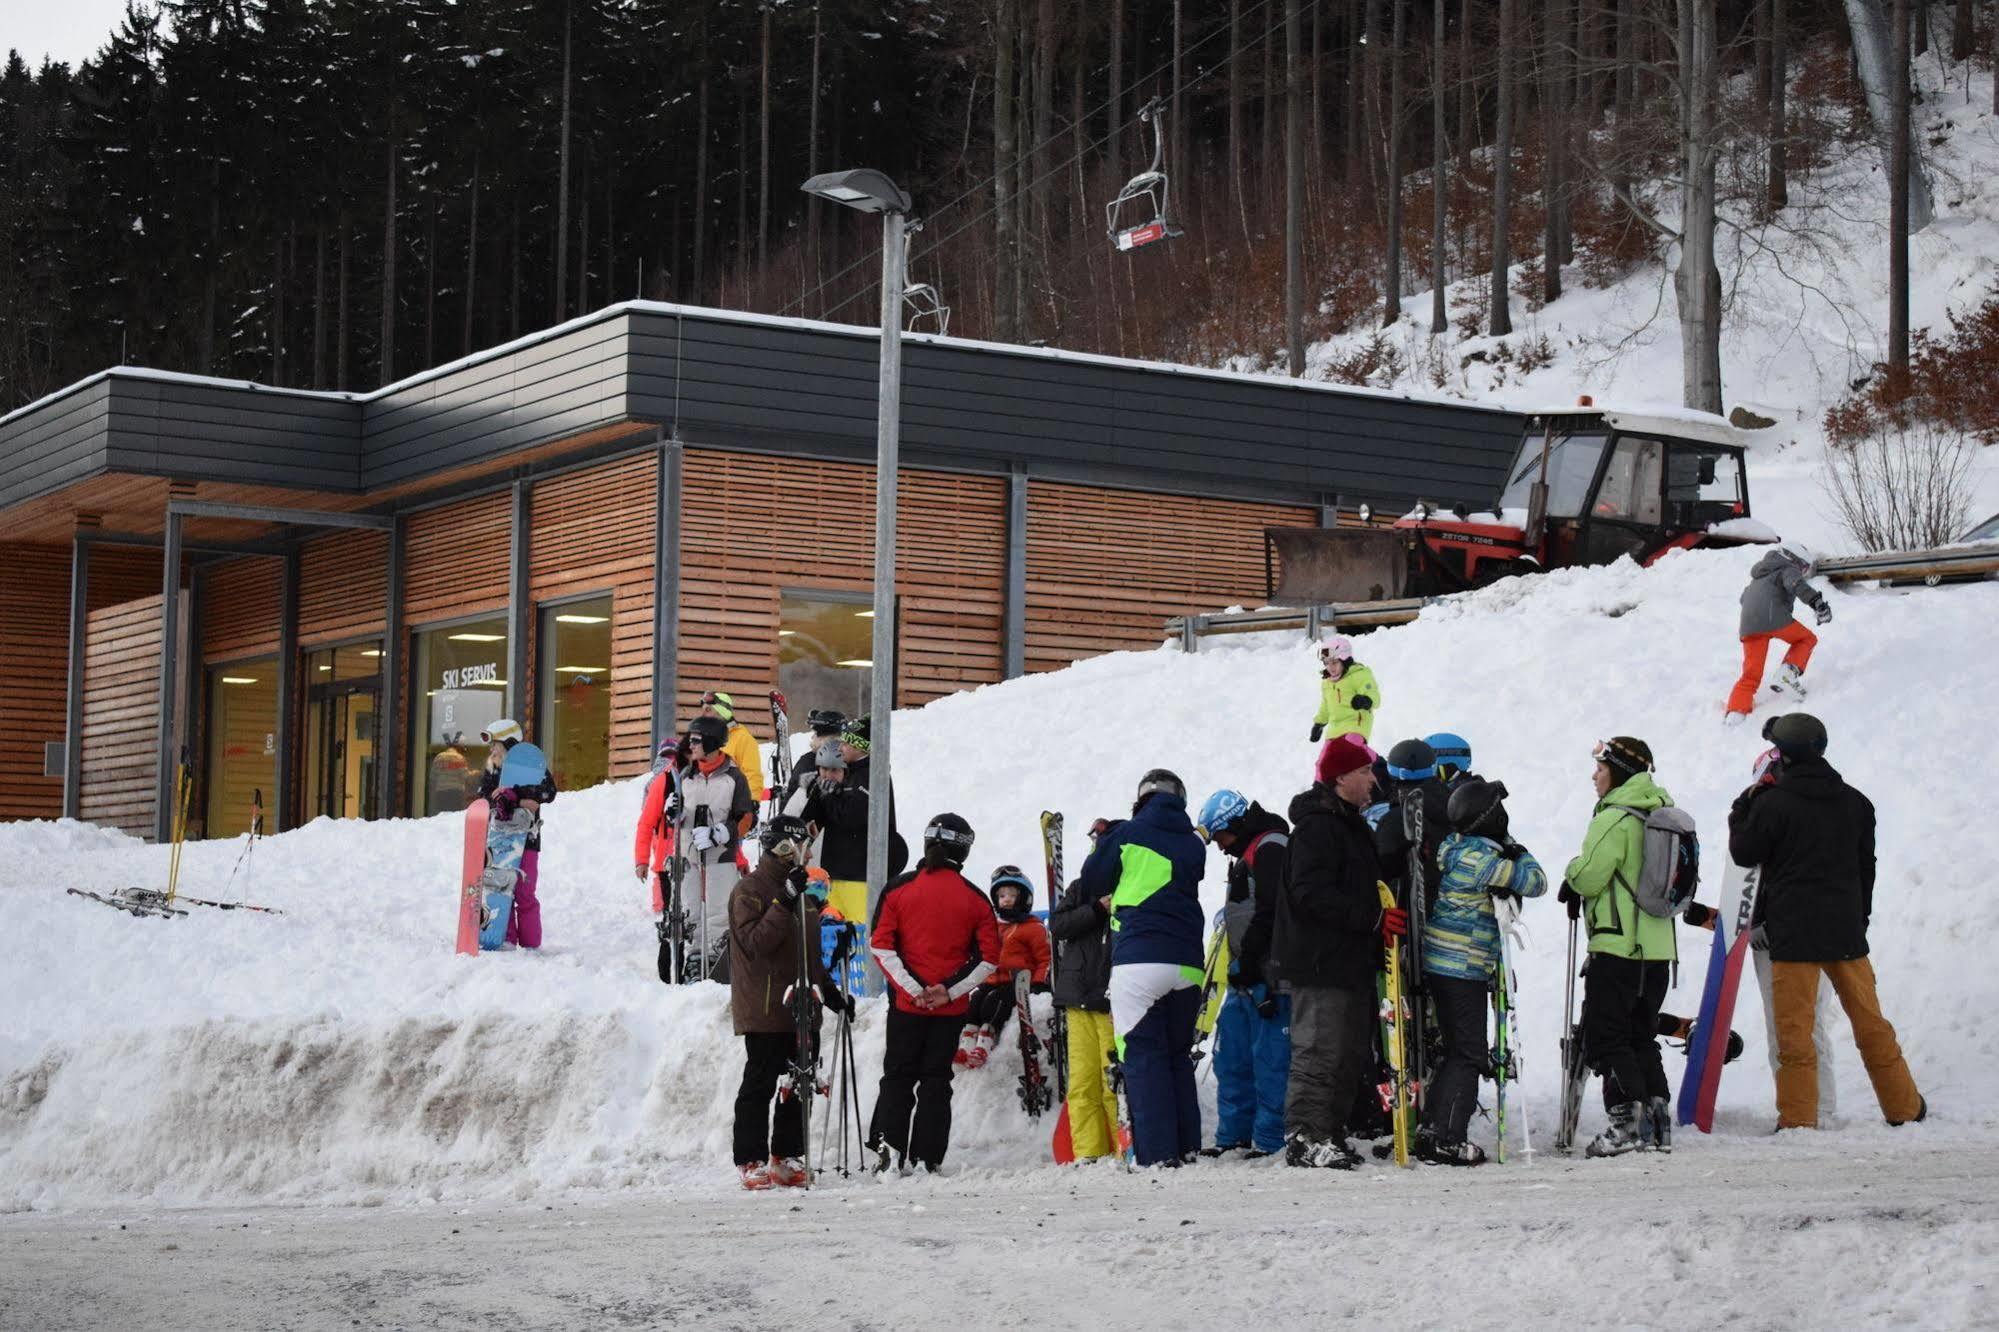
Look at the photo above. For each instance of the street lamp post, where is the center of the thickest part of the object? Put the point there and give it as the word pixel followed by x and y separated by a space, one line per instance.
pixel 870 191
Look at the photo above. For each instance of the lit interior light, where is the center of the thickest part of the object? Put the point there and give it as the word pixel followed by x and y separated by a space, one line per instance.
pixel 478 638
pixel 854 661
pixel 239 679
pixel 582 619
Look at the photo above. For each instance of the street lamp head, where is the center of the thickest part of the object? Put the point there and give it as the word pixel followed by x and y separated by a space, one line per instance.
pixel 863 188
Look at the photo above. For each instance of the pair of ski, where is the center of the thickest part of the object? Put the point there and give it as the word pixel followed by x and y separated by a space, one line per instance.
pixel 1402 1017
pixel 1063 1145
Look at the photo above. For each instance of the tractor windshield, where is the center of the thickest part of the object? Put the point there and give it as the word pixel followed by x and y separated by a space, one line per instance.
pixel 1572 461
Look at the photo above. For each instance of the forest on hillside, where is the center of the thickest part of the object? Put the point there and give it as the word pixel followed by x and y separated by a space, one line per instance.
pixel 338 193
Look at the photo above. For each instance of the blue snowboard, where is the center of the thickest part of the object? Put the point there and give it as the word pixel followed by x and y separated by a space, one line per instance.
pixel 506 843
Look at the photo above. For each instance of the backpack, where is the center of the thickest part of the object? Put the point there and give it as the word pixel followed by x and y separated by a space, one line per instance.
pixel 1669 868
pixel 1236 916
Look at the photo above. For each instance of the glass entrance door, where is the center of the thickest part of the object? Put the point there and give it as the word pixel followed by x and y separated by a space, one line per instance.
pixel 343 706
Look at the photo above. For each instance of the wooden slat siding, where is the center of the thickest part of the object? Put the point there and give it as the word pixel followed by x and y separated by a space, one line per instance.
pixel 592 531
pixel 34 648
pixel 755 524
pixel 342 585
pixel 1106 567
pixel 121 704
pixel 455 559
pixel 239 608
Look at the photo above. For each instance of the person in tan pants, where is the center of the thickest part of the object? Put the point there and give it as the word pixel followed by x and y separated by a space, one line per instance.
pixel 1814 837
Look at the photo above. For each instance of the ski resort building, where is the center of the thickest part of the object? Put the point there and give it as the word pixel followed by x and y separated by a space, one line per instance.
pixel 310 602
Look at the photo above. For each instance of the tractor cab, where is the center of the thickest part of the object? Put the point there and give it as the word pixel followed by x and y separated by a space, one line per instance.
pixel 1586 487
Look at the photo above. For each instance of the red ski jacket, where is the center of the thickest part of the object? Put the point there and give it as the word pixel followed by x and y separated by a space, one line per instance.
pixel 932 927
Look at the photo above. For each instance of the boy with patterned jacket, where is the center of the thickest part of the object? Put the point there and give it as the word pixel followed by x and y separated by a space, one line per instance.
pixel 1479 861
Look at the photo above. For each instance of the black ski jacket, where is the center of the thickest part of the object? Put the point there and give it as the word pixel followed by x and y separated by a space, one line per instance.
pixel 1257 864
pixel 1082 934
pixel 1330 909
pixel 842 814
pixel 1813 836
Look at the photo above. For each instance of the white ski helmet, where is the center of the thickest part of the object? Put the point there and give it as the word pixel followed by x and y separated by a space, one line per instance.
pixel 1337 648
pixel 1800 554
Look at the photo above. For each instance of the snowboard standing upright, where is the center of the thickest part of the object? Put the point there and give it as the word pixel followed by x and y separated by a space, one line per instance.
pixel 506 841
pixel 1705 1055
pixel 472 870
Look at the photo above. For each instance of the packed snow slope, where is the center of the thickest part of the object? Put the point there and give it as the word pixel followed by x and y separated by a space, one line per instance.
pixel 342 1052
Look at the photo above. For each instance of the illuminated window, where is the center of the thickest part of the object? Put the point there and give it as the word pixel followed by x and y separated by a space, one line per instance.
pixel 573 724
pixel 242 745
pixel 825 645
pixel 459 689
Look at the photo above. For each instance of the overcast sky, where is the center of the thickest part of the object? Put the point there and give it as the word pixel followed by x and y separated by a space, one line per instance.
pixel 68 30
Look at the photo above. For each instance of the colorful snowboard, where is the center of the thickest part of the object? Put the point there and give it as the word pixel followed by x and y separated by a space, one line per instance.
pixel 506 843
pixel 1726 957
pixel 474 865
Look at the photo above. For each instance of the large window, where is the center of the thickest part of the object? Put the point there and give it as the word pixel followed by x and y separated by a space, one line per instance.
pixel 343 692
pixel 242 744
pixel 573 724
pixel 460 689
pixel 825 642
pixel 1630 489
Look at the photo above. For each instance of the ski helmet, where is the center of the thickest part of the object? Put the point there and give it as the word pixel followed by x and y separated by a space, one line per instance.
pixel 1626 756
pixel 785 836
pixel 724 706
pixel 506 731
pixel 1412 761
pixel 1797 735
pixel 855 733
pixel 827 721
pixel 1010 874
pixel 949 835
pixel 1453 753
pixel 1219 812
pixel 1800 554
pixel 829 758
pixel 1476 808
pixel 1161 779
pixel 1337 648
pixel 711 732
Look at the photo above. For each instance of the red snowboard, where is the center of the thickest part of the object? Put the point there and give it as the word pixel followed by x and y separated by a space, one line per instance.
pixel 476 815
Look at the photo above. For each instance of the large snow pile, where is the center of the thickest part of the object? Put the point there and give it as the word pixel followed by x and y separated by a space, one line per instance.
pixel 342 1052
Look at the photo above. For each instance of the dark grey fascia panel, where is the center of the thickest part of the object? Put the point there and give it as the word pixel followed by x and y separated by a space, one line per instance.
pixel 60 440
pixel 223 432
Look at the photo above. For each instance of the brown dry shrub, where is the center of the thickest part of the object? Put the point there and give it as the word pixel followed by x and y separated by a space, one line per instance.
pixel 1953 383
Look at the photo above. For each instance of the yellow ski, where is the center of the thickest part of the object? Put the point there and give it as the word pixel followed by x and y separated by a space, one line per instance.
pixel 1398 1049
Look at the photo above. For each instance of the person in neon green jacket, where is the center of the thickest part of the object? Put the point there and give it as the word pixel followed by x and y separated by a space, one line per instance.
pixel 1347 695
pixel 1631 952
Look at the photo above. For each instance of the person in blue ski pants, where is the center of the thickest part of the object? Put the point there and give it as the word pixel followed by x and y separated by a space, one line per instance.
pixel 1253 1032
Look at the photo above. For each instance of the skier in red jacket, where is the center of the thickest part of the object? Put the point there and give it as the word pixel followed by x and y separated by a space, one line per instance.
pixel 936 940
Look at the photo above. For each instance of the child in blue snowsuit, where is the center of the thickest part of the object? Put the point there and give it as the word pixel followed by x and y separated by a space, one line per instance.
pixel 1479 861
pixel 1253 1033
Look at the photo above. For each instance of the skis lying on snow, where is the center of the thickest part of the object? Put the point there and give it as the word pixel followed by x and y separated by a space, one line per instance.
pixel 1036 1093
pixel 131 905
pixel 154 897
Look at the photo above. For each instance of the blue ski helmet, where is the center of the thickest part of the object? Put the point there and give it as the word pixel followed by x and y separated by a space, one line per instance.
pixel 1453 753
pixel 1220 811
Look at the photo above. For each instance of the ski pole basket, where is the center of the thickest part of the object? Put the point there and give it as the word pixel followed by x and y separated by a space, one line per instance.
pixel 1140 214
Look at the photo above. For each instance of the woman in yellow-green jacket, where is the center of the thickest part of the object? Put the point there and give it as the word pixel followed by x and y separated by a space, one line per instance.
pixel 1347 694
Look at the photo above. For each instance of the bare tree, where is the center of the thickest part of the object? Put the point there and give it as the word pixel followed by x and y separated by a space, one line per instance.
pixel 1961 31
pixel 1391 286
pixel 1905 485
pixel 1500 320
pixel 1777 194
pixel 700 258
pixel 1697 281
pixel 1294 195
pixel 763 146
pixel 1898 204
pixel 1439 172
pixel 1873 55
pixel 562 173
pixel 1005 35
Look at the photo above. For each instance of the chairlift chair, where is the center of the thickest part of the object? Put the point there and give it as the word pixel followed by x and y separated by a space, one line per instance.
pixel 922 302
pixel 1139 215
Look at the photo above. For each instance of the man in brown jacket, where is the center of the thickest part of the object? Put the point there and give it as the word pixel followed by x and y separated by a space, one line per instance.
pixel 765 913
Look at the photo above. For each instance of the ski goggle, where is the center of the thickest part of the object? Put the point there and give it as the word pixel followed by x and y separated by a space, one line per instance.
pixel 938 832
pixel 1607 753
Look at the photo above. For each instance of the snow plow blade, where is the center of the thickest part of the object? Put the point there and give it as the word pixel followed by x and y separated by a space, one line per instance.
pixel 1310 565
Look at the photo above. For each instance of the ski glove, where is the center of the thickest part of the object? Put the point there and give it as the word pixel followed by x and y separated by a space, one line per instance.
pixel 1824 613
pixel 1569 898
pixel 1699 916
pixel 1759 939
pixel 837 1000
pixel 1394 924
pixel 1362 702
pixel 795 884
pixel 703 838
pixel 1318 729
pixel 1266 1007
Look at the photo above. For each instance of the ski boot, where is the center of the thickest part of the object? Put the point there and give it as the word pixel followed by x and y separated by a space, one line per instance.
pixel 1622 1134
pixel 967 1038
pixel 787 1172
pixel 755 1175
pixel 1452 1153
pixel 1790 680
pixel 982 1048
pixel 1319 1154
pixel 1220 1150
pixel 1657 1131
pixel 884 1162
pixel 1732 720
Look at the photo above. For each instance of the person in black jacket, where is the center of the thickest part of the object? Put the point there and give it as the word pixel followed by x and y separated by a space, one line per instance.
pixel 1081 926
pixel 1326 949
pixel 1813 836
pixel 1253 1032
pixel 840 813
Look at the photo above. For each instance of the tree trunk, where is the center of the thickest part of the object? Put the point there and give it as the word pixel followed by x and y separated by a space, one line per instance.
pixel 1439 172
pixel 1873 44
pixel 1778 193
pixel 1355 65
pixel 562 174
pixel 1919 30
pixel 1697 282
pixel 1113 160
pixel 1500 319
pixel 1315 109
pixel 318 306
pixel 763 149
pixel 1554 89
pixel 697 287
pixel 514 287
pixel 341 338
pixel 814 267
pixel 1235 117
pixel 1294 194
pixel 1898 204
pixel 1391 286
pixel 1627 63
pixel 1043 186
pixel 277 324
pixel 387 360
pixel 429 281
pixel 205 345
pixel 471 258
pixel 1962 32
pixel 583 244
pixel 1176 128
pixel 1005 27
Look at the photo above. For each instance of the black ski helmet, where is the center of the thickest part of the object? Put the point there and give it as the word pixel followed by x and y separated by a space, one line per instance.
pixel 1412 761
pixel 1797 735
pixel 1476 808
pixel 951 836
pixel 1011 874
pixel 786 836
pixel 1161 779
pixel 712 732
pixel 827 721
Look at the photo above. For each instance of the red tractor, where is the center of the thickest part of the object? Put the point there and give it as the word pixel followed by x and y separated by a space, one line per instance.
pixel 1587 487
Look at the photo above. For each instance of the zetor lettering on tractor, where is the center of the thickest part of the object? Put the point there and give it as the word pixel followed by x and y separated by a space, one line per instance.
pixel 1587 487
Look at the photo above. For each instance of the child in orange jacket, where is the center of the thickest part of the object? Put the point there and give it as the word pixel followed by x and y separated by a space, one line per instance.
pixel 1024 947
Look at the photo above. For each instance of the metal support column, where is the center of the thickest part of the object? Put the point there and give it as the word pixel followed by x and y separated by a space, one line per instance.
pixel 72 727
pixel 288 707
pixel 888 426
pixel 1329 511
pixel 519 611
pixel 170 647
pixel 666 590
pixel 1015 632
pixel 387 732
